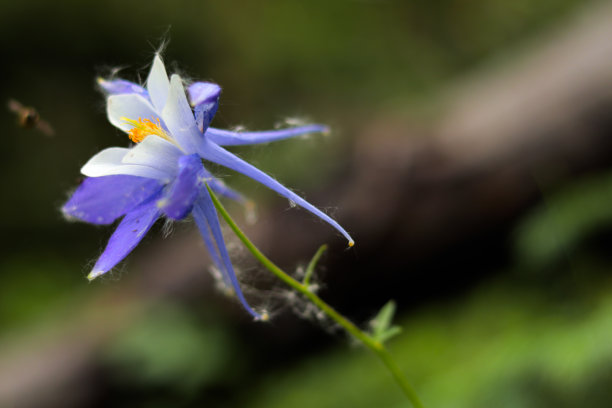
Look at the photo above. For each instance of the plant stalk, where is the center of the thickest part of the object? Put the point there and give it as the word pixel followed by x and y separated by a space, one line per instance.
pixel 377 347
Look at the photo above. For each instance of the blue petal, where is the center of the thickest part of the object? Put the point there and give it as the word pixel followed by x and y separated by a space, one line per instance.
pixel 221 189
pixel 204 97
pixel 210 245
pixel 217 154
pixel 128 234
pixel 203 92
pixel 177 202
pixel 121 86
pixel 205 216
pixel 228 138
pixel 101 200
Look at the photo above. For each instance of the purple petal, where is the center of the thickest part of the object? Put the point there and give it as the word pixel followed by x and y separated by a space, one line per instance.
pixel 178 200
pixel 101 200
pixel 221 189
pixel 204 97
pixel 210 245
pixel 203 92
pixel 128 234
pixel 121 86
pixel 228 138
pixel 205 216
pixel 217 154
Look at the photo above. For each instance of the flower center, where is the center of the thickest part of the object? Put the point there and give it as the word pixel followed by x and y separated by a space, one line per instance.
pixel 145 127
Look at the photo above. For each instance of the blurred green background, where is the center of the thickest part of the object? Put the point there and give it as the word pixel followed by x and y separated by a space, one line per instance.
pixel 535 331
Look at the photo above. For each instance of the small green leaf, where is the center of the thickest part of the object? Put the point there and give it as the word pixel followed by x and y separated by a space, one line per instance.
pixel 389 333
pixel 382 330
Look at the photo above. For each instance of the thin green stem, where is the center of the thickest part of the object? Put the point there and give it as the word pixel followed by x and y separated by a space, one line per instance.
pixel 313 263
pixel 377 347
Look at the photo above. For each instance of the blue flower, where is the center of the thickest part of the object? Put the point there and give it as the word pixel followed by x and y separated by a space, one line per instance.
pixel 162 175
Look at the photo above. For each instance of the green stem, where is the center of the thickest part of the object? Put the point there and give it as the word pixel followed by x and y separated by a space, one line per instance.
pixel 377 347
pixel 313 263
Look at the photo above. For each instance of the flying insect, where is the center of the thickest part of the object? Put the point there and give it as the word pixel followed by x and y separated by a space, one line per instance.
pixel 28 118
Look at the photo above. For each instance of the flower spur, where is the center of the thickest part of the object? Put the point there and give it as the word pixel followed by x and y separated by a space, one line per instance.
pixel 163 174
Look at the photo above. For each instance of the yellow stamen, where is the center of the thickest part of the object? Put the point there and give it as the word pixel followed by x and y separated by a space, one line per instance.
pixel 145 127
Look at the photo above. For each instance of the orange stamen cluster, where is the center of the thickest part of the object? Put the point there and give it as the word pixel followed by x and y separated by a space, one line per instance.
pixel 143 128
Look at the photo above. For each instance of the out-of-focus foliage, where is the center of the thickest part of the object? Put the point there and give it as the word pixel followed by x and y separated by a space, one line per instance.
pixel 565 219
pixel 499 347
pixel 171 348
pixel 38 288
pixel 338 62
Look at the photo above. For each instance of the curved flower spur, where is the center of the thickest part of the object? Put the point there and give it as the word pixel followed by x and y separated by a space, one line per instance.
pixel 163 174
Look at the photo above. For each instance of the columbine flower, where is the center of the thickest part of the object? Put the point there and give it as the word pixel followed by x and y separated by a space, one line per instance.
pixel 163 174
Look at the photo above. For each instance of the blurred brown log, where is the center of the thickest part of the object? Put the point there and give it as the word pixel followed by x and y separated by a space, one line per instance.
pixel 539 116
pixel 408 193
pixel 534 119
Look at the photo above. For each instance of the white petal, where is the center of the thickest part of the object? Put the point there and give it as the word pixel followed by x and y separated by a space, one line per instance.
pixel 109 162
pixel 129 106
pixel 158 84
pixel 179 118
pixel 110 156
pixel 155 152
